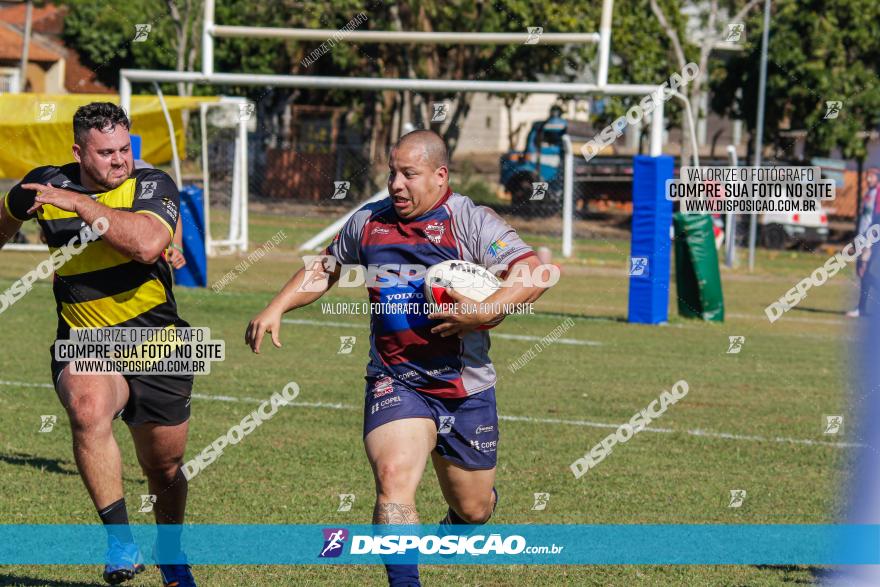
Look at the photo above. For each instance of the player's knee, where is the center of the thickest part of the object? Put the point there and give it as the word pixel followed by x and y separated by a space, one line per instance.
pixel 164 469
pixel 90 414
pixel 393 478
pixel 475 512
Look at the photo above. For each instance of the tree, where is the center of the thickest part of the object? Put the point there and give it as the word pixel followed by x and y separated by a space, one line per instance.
pixel 475 62
pixel 710 35
pixel 818 52
pixel 640 54
pixel 103 33
pixel 186 18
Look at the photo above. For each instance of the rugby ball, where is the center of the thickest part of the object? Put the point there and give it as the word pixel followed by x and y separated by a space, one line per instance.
pixel 468 279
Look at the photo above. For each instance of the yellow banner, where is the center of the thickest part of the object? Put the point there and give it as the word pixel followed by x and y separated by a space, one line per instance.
pixel 37 129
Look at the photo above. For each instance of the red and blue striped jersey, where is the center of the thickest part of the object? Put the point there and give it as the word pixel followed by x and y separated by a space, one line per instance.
pixel 401 344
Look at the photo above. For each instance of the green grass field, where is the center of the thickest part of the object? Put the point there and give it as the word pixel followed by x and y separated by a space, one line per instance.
pixel 291 469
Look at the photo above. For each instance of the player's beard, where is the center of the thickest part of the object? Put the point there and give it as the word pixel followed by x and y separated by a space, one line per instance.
pixel 113 178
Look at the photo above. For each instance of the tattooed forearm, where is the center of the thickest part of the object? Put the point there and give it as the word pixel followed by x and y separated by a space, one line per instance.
pixel 395 513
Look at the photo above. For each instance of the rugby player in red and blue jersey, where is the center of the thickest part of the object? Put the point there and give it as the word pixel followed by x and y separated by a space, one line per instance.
pixel 430 384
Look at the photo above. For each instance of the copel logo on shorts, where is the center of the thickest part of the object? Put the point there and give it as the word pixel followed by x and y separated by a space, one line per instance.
pixel 484 446
pixel 446 423
pixel 334 539
pixel 385 404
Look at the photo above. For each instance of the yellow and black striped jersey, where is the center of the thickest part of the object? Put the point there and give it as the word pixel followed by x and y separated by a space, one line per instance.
pixel 100 286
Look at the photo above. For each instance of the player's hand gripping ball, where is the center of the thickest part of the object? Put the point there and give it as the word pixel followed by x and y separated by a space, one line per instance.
pixel 463 277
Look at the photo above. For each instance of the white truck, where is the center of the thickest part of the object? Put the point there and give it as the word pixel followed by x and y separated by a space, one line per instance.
pixel 780 230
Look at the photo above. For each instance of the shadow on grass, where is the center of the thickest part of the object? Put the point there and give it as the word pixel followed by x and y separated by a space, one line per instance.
pixel 820 311
pixel 817 573
pixel 608 318
pixel 43 464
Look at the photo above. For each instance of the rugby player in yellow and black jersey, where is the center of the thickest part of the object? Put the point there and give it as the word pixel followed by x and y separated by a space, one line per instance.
pixel 122 279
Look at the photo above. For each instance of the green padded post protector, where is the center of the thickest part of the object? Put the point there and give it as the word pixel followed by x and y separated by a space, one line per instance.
pixel 697 275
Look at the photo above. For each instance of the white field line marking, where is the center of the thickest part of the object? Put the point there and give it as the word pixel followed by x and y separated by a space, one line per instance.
pixel 587 423
pixel 324 323
pixel 695 432
pixel 575 341
pixel 760 317
pixel 22 384
pixel 559 340
pixel 216 398
pixel 253 400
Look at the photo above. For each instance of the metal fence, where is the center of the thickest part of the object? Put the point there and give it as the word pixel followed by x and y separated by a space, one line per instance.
pixel 309 159
pixel 314 157
pixel 312 173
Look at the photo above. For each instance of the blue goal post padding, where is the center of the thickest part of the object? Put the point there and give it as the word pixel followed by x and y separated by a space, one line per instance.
pixel 651 245
pixel 135 146
pixel 192 221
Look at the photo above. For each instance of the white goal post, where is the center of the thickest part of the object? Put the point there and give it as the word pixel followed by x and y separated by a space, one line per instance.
pixel 237 236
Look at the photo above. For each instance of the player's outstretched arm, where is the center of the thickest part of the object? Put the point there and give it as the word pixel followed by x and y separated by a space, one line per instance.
pixel 140 237
pixel 306 286
pixel 8 226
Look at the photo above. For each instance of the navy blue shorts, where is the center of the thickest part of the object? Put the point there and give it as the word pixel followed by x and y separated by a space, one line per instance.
pixel 467 428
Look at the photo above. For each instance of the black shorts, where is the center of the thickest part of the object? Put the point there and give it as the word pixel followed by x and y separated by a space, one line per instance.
pixel 154 399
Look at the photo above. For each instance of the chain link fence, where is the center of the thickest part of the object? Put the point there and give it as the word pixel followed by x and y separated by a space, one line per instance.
pixel 316 158
pixel 313 159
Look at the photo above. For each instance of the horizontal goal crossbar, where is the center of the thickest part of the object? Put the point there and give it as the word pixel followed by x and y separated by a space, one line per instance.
pixel 365 83
pixel 412 37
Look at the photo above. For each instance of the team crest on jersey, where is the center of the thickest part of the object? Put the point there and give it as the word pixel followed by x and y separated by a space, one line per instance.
pixel 382 387
pixel 147 189
pixel 434 232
